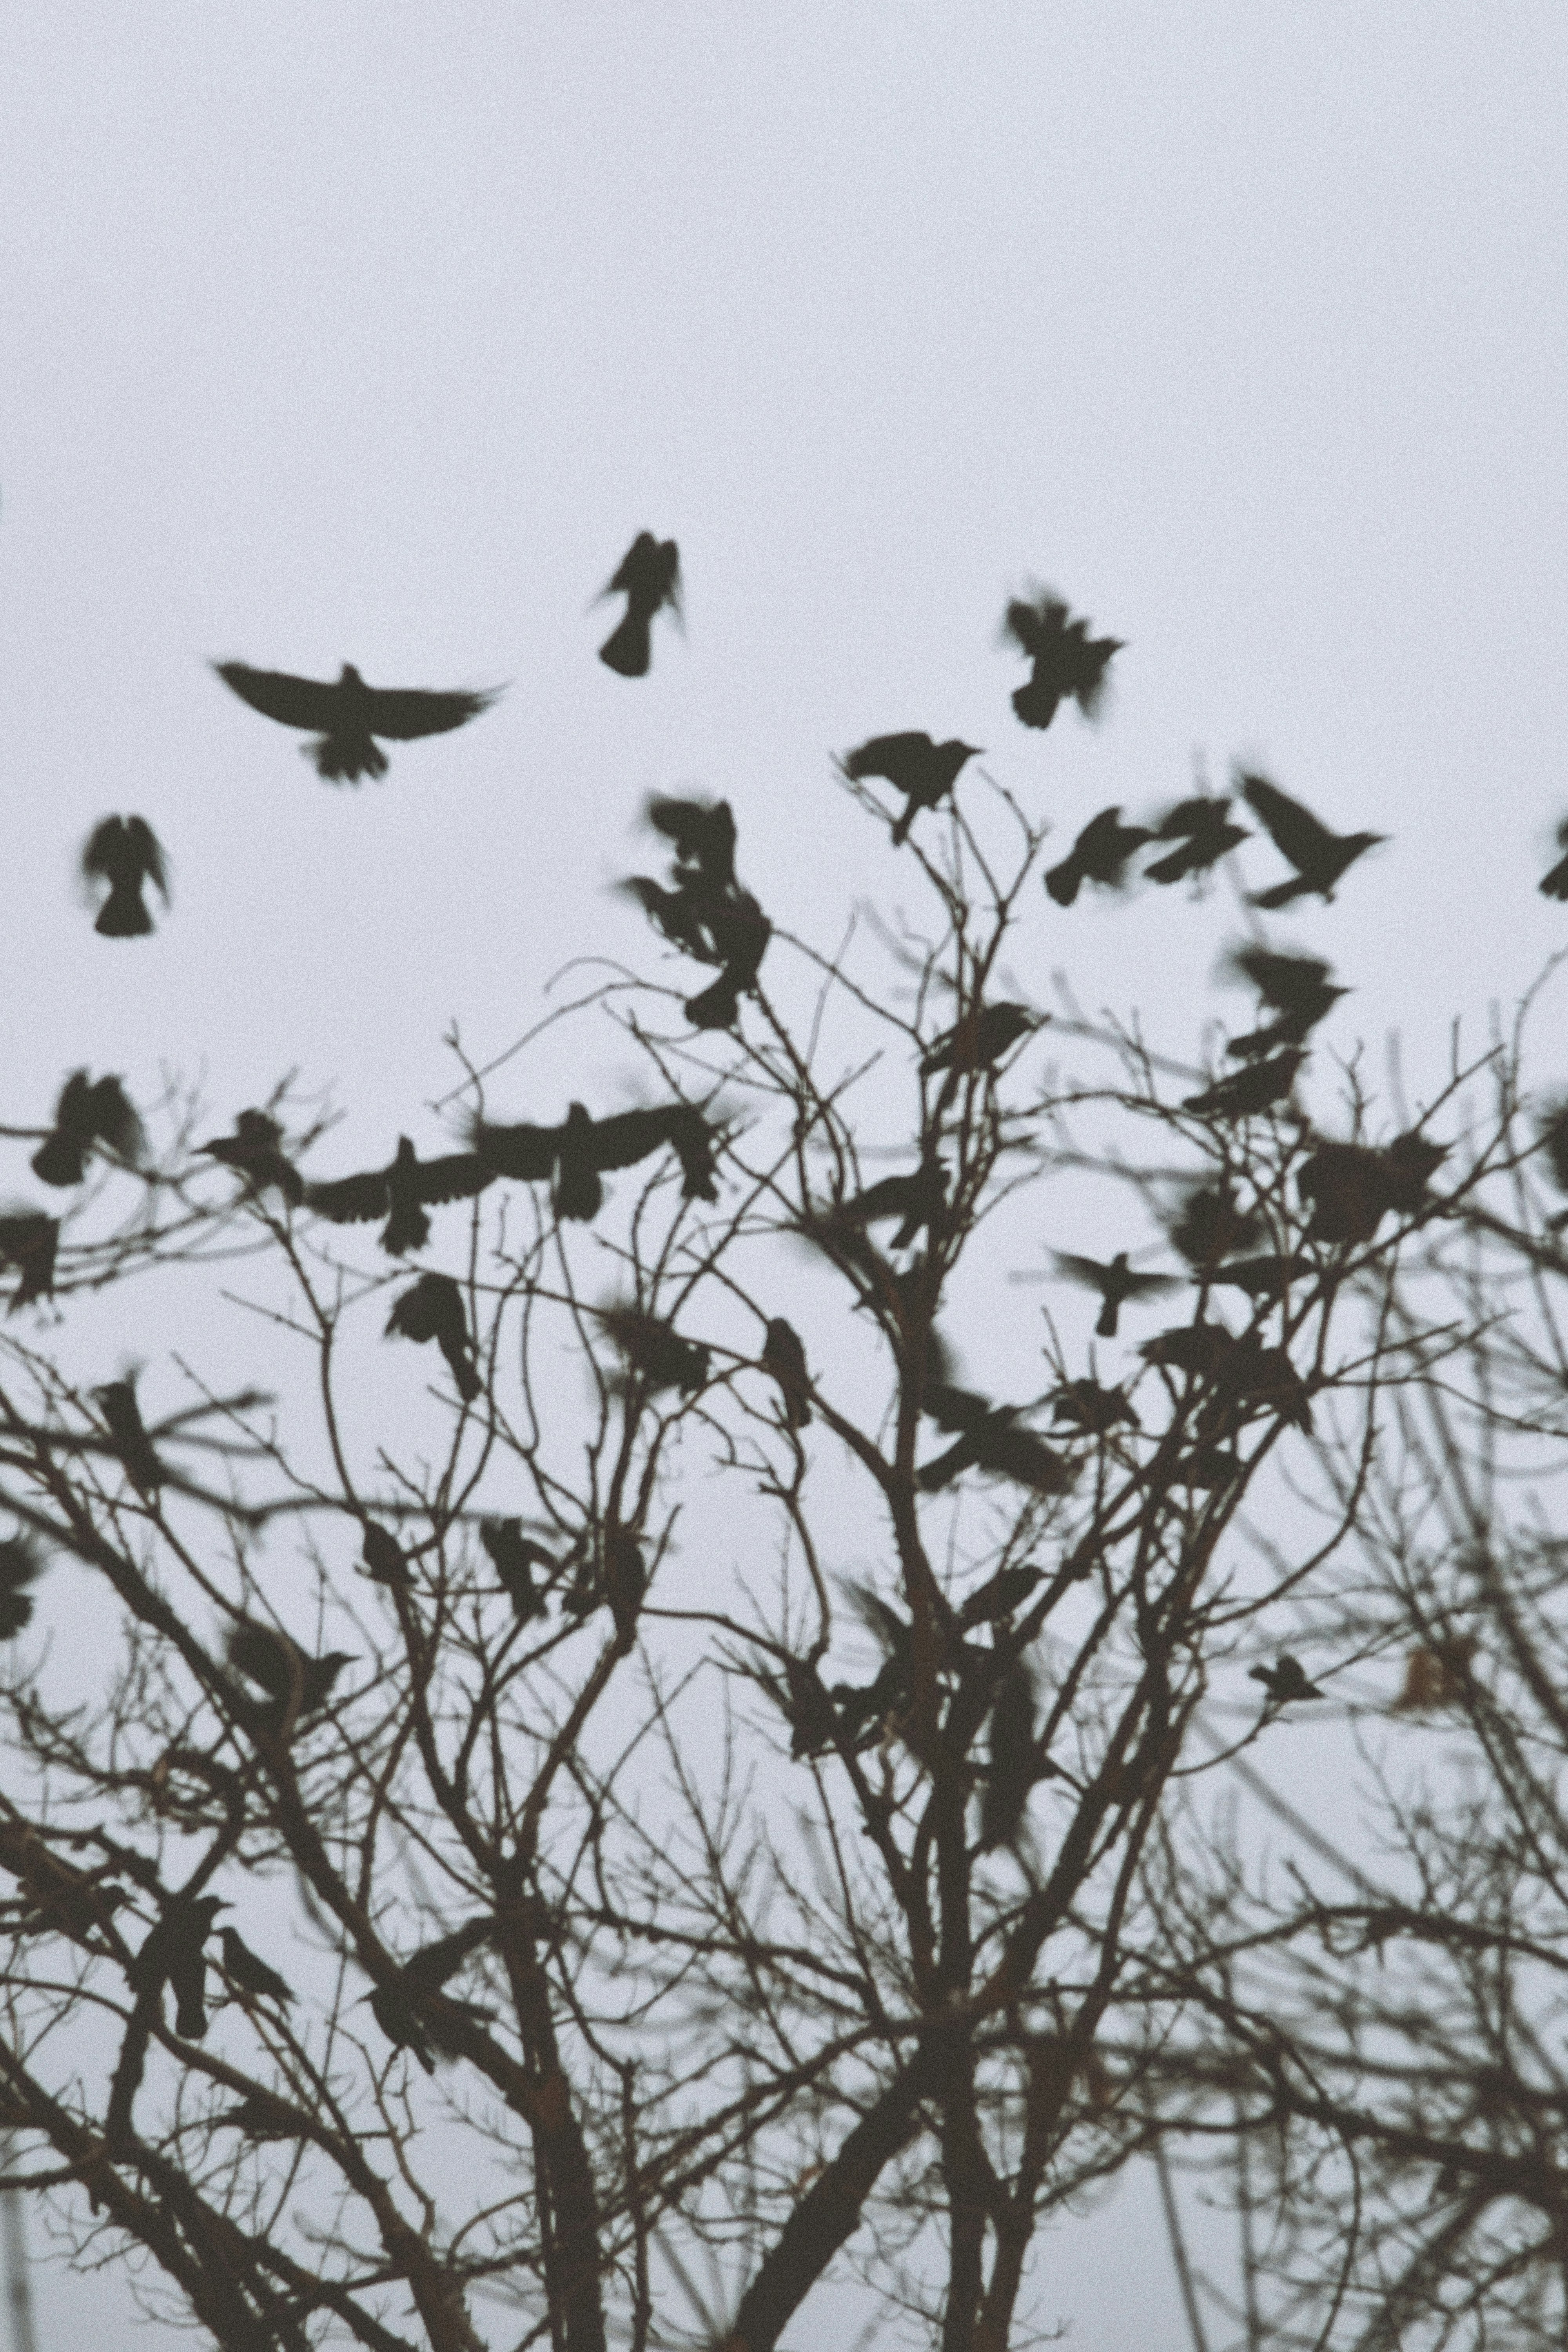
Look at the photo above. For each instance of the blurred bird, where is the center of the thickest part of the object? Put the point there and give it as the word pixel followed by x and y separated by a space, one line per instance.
pixel 400 1192
pixel 53 1898
pixel 1209 1467
pixel 514 1557
pixel 1554 885
pixel 1013 1769
pixel 707 915
pixel 988 1438
pixel 1250 1378
pixel 1298 989
pixel 125 851
pixel 580 1148
pixel 262 2118
pixel 1248 1092
pixel 1199 1349
pixel 1067 662
pixel 89 1112
pixel 812 1718
pixel 675 913
pixel 626 1580
pixel 1100 855
pixel 702 834
pixel 21 1564
pixel 918 1198
pixel 346 714
pixel 172 1955
pixel 1116 1284
pixel 384 1557
pixel 979 1041
pixel 783 1355
pixel 1209 1226
pixel 925 771
pixel 284 1671
pixel 1437 1674
pixel 1319 855
pixel 999 1596
pixel 394 2009
pixel 117 1402
pixel 29 1240
pixel 1085 1405
pixel 1202 827
pixel 1260 1277
pixel 648 576
pixel 255 1151
pixel 1351 1187
pixel 655 1352
pixel 1285 1680
pixel 251 1974
pixel 432 1309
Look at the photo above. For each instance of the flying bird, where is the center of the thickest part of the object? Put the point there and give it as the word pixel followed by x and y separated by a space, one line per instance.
pixel 89 1112
pixel 702 834
pixel 129 1438
pixel 400 1192
pixel 255 1151
pixel 1068 663
pixel 707 915
pixel 293 1680
pixel 432 1309
pixel 250 1973
pixel 989 1439
pixel 655 1352
pixel 1296 988
pixel 783 1355
pixel 1248 1092
pixel 572 1156
pixel 1209 1226
pixel 1319 855
pixel 648 576
pixel 125 853
pixel 21 1564
pixel 981 1038
pixel 918 1199
pixel 1115 1282
pixel 346 714
pixel 1100 854
pixel 1285 1680
pixel 1203 829
pixel 925 773
pixel 30 1240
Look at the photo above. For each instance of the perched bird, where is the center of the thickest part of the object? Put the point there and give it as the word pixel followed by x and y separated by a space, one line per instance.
pixel 1297 988
pixel 702 834
pixel 740 932
pixel 1203 828
pixel 999 1596
pixel 1551 1134
pixel 1285 1680
pixel 1247 1092
pixel 626 1580
pixel 814 1720
pixel 1250 1378
pixel 1013 1769
pixel 129 1438
pixel 125 851
pixel 1067 662
pixel 400 1192
pixel 54 1899
pixel 394 2011
pixel 1116 1284
pixel 576 1152
pixel 783 1355
pixel 21 1564
pixel 988 1438
pixel 1209 1467
pixel 514 1557
pixel 979 1041
pixel 29 1240
pixel 172 1955
pixel 250 1973
pixel 655 1352
pixel 413 2008
pixel 261 2118
pixel 916 1199
pixel 1100 854
pixel 677 913
pixel 432 1309
pixel 648 576
pixel 1351 1187
pixel 1554 885
pixel 346 714
pixel 1199 1349
pixel 925 773
pixel 89 1112
pixel 1209 1226
pixel 1260 1277
pixel 297 1683
pixel 1085 1405
pixel 1319 855
pixel 384 1557
pixel 255 1151
pixel 707 913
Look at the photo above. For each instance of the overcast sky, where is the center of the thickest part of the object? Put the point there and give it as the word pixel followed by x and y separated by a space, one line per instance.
pixel 374 334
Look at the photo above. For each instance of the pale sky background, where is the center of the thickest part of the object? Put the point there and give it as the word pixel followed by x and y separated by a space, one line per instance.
pixel 376 332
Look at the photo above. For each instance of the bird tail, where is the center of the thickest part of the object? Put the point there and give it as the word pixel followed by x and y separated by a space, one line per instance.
pixel 1036 703
pixel 579 1195
pixel 627 650
pixel 405 1229
pixel 123 915
pixel 1281 896
pixel 345 759
pixel 1062 882
pixel 59 1161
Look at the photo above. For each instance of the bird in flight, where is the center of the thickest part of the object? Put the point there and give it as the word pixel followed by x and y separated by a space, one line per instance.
pixel 346 714
pixel 707 913
pixel 925 773
pixel 1068 663
pixel 988 1438
pixel 648 577
pixel 1202 828
pixel 1286 1679
pixel 979 1041
pixel 400 1192
pixel 1250 1091
pixel 125 851
pixel 297 1683
pixel 1296 988
pixel 655 1351
pixel 1099 854
pixel 1554 885
pixel 1319 855
pixel 1115 1282
pixel 89 1112
pixel 581 1148
pixel 1208 1225
pixel 432 1309
pixel 918 1199
pixel 255 1151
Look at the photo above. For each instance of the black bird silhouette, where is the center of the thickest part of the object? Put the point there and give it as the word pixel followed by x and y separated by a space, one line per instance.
pixel 1297 988
pixel 250 1973
pixel 1067 662
pixel 1319 855
pixel 1013 1768
pixel 676 913
pixel 255 1151
pixel 1286 1679
pixel 172 1955
pixel 1554 885
pixel 432 1309
pixel 1198 1349
pixel 918 1199
pixel 1552 1135
pixel 707 913
pixel 385 1562
pixel 1251 1378
pixel 1100 855
pixel 400 1192
pixel 1351 1187
pixel 576 1152
pixel 394 2011
pixel 125 851
pixel 999 1596
pixel 297 1683
pixel 702 834
pixel 21 1564
pixel 812 1718
pixel 346 714
pixel 412 2009
pixel 1247 1092
pixel 979 1041
pixel 514 1557
pixel 648 576
pixel 783 1355
pixel 925 773
pixel 89 1112
pixel 30 1240
pixel 655 1352
pixel 53 1898
pixel 117 1402
pixel 262 2118
pixel 1260 1277
pixel 1084 1405
pixel 1116 1284
pixel 625 1581
pixel 1209 1226
pixel 1202 827
pixel 989 1439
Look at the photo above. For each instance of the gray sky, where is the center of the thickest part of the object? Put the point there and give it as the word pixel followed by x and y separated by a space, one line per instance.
pixel 374 333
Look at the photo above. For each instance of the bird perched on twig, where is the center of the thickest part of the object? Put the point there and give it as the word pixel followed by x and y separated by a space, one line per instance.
pixel 255 1151
pixel 648 576
pixel 1115 1282
pixel 1201 827
pixel 89 1112
pixel 385 1563
pixel 783 1355
pixel 514 1557
pixel 249 1972
pixel 1319 855
pixel 925 773
pixel 128 1436
pixel 172 1954
pixel 1084 1405
pixel 1285 1680
pixel 918 1199
pixel 1246 1093
pixel 432 1309
pixel 655 1351
pixel 988 1438
pixel 30 1240
pixel 1100 854
pixel 1067 662
pixel 999 1596
pixel 346 714
pixel 297 1683
pixel 1297 988
pixel 1351 1187
pixel 21 1564
pixel 1208 1225
pixel 400 1192
pixel 624 1580
pixel 577 1151
pixel 979 1041
pixel 1260 1277
pixel 125 851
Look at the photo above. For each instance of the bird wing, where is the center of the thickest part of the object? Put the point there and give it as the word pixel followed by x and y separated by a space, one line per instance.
pixel 457 1176
pixel 529 1153
pixel 350 1200
pixel 1147 1286
pixel 1086 1270
pixel 306 702
pixel 1294 830
pixel 263 1657
pixel 148 852
pixel 115 1120
pixel 957 1411
pixel 105 852
pixel 401 714
pixel 1281 979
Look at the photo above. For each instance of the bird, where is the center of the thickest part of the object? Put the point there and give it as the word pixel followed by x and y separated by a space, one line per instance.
pixel 740 932
pixel 432 1309
pixel 172 1954
pixel 1260 1277
pixel 1320 857
pixel 989 1439
pixel 514 1557
pixel 999 1596
pixel 261 2118
pixel 89 1112
pixel 297 1683
pixel 626 1580
pixel 21 1564
pixel 412 2009
pixel 54 1899
pixel 1296 987
pixel 1199 1349
pixel 707 915
pixel 783 1355
pixel 1013 1769
pixel 1099 853
pixel 1209 1225
pixel 255 1151
pixel 648 576
pixel 1116 1284
pixel 677 914
pixel 979 1041
pixel 1203 827
pixel 702 834
pixel 1246 1093
pixel 923 770
pixel 400 1192
pixel 1285 1680
pixel 250 1973
pixel 814 1722
pixel 1208 1466
pixel 918 1199
pixel 1250 1378
pixel 129 1438
pixel 385 1560
pixel 655 1352
pixel 1085 1405
pixel 394 2010
pixel 125 851
pixel 1554 885
pixel 345 715
pixel 1351 1187
pixel 576 1153
pixel 29 1240
pixel 1068 663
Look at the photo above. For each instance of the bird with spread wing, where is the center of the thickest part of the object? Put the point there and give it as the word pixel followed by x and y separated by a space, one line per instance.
pixel 572 1156
pixel 400 1192
pixel 345 715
